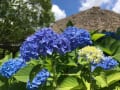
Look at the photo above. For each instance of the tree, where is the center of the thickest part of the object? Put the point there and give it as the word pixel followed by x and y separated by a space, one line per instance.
pixel 69 23
pixel 20 18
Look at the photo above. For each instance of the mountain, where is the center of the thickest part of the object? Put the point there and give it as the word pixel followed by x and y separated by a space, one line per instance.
pixel 91 19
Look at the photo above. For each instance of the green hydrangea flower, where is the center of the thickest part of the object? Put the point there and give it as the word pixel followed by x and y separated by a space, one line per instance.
pixel 91 53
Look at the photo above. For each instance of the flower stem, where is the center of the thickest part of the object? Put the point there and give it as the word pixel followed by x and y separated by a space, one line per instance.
pixel 54 73
pixel 90 74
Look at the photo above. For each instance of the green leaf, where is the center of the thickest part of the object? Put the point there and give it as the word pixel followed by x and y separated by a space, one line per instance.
pixel 68 84
pixel 107 50
pixel 87 84
pixel 117 57
pixel 83 61
pixel 48 64
pixel 71 63
pixel 6 58
pixel 97 36
pixel 2 83
pixel 23 74
pixel 113 77
pixel 34 71
pixel 101 81
pixel 117 88
pixel 109 45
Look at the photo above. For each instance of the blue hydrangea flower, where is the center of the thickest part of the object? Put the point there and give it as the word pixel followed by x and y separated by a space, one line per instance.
pixel 40 43
pixel 44 42
pixel 29 49
pixel 77 37
pixel 106 63
pixel 62 45
pixel 11 67
pixel 39 79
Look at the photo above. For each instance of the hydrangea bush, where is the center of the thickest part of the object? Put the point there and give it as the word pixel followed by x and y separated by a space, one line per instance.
pixel 71 60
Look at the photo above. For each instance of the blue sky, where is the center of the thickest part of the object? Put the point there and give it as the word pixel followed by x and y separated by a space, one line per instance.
pixel 70 6
pixel 64 8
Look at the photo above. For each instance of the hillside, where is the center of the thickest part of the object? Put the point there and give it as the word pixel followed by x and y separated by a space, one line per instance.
pixel 91 19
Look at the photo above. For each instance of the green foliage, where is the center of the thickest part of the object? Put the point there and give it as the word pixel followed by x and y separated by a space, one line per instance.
pixel 20 18
pixel 109 45
pixel 70 83
pixel 97 36
pixel 68 72
pixel 113 77
pixel 23 74
pixel 6 58
pixel 117 57
pixel 69 23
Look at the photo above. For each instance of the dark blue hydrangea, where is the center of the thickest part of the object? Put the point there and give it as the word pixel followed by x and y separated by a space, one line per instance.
pixel 77 37
pixel 44 42
pixel 40 43
pixel 47 37
pixel 62 45
pixel 28 50
pixel 39 79
pixel 11 67
pixel 106 63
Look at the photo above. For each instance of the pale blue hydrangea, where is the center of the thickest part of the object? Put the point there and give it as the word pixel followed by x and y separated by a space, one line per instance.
pixel 106 63
pixel 10 67
pixel 39 79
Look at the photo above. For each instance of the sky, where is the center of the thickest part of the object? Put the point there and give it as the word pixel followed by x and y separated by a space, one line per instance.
pixel 64 8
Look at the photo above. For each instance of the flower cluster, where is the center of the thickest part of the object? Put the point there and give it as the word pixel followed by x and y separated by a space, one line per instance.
pixel 77 37
pixel 91 53
pixel 46 38
pixel 39 43
pixel 106 63
pixel 44 42
pixel 39 79
pixel 11 67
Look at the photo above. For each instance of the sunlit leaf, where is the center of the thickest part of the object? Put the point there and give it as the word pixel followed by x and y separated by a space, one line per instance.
pixel 23 74
pixel 97 36
pixel 101 81
pixel 68 84
pixel 113 77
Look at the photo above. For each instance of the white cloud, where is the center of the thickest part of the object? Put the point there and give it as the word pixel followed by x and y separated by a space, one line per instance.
pixel 116 7
pixel 58 13
pixel 86 4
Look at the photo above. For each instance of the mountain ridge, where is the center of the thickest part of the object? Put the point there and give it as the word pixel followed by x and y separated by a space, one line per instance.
pixel 91 19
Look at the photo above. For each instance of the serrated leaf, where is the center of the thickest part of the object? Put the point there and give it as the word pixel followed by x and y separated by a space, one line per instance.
pixel 68 84
pixel 101 81
pixel 6 58
pixel 34 71
pixel 71 63
pixel 113 77
pixel 97 36
pixel 87 84
pixel 117 57
pixel 2 83
pixel 106 50
pixel 109 45
pixel 117 88
pixel 23 74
